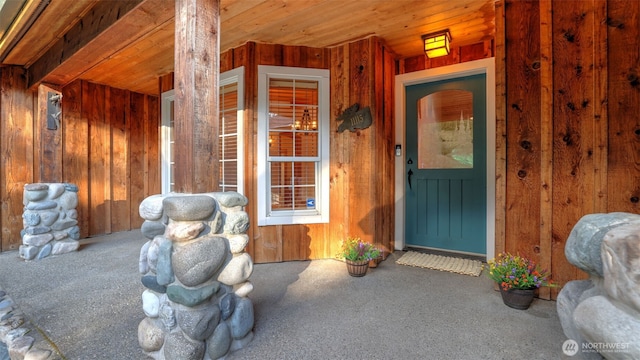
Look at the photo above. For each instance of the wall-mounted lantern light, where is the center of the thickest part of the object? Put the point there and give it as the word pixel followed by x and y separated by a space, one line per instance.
pixel 437 44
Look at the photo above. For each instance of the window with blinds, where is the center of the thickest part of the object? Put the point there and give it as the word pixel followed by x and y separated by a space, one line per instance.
pixel 293 127
pixel 230 130
pixel 293 143
pixel 230 134
pixel 167 141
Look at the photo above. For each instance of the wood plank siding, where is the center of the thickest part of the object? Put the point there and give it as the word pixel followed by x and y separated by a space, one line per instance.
pixel 16 152
pixel 572 128
pixel 567 130
pixel 567 134
pixel 104 134
pixel 361 72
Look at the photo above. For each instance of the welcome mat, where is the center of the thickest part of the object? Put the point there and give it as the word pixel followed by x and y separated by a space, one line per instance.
pixel 442 263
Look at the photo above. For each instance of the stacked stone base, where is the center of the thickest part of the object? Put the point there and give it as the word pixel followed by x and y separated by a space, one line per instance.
pixel 50 220
pixel 195 270
pixel 602 314
pixel 15 333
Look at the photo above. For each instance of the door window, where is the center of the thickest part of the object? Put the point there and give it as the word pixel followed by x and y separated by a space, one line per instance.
pixel 445 130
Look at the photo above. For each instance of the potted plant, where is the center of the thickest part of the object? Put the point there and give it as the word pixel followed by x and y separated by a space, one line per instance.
pixel 518 278
pixel 357 254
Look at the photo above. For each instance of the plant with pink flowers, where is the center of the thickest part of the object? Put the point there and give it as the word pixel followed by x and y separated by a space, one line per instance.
pixel 354 249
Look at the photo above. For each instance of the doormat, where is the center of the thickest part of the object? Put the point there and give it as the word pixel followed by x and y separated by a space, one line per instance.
pixel 442 263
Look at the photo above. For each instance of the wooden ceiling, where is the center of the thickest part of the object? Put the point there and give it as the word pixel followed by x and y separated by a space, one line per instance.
pixel 67 40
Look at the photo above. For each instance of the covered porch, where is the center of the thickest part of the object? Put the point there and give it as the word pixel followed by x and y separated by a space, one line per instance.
pixel 86 305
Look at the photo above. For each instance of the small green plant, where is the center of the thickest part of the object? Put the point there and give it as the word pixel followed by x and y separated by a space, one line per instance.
pixel 517 272
pixel 354 249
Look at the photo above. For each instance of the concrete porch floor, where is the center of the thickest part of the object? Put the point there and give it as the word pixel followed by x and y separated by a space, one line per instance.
pixel 87 305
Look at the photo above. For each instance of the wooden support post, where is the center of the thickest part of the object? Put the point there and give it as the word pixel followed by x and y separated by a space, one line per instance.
pixel 197 55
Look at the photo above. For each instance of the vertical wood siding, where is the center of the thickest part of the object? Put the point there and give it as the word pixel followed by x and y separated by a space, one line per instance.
pixel 118 109
pixel 104 133
pixel 581 105
pixel 623 101
pixel 361 196
pixel 573 125
pixel 568 133
pixel 523 131
pixel 111 152
pixel 567 137
pixel 16 152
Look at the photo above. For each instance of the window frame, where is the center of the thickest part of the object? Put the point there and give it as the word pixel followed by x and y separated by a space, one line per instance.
pixel 267 216
pixel 166 131
pixel 226 78
pixel 168 97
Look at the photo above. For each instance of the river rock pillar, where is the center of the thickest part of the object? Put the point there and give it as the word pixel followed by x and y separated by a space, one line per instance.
pixel 50 220
pixel 195 270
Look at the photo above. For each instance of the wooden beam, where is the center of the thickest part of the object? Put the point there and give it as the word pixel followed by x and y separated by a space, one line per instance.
pixel 197 53
pixel 30 11
pixel 109 27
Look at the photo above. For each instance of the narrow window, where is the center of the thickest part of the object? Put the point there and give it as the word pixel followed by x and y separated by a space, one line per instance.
pixel 293 143
pixel 167 142
pixel 231 130
pixel 231 145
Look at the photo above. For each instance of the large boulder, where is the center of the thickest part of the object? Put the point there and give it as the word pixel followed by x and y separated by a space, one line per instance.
pixel 602 314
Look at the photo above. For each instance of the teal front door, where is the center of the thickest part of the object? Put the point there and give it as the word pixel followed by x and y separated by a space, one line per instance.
pixel 446 165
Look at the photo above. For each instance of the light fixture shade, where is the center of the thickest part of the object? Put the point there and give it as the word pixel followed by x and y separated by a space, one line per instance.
pixel 437 44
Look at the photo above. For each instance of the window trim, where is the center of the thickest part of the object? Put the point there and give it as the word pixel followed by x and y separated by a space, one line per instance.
pixel 285 217
pixel 229 77
pixel 167 97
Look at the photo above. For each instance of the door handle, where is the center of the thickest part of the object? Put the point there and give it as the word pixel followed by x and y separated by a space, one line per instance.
pixel 409 177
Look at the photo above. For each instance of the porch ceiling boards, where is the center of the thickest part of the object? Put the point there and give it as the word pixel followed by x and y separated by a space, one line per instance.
pixel 75 39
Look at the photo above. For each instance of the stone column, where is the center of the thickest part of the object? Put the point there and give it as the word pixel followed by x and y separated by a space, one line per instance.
pixel 195 270
pixel 50 220
pixel 602 314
